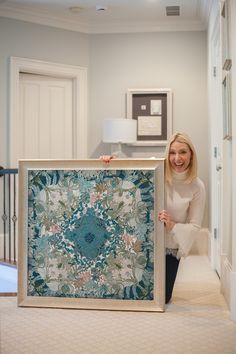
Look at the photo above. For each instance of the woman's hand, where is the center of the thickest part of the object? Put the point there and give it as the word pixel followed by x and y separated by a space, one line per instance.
pixel 163 216
pixel 106 158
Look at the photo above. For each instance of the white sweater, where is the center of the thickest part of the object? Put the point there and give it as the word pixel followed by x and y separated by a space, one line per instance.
pixel 185 203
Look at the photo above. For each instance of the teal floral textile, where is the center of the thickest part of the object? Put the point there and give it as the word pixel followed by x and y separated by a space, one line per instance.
pixel 91 234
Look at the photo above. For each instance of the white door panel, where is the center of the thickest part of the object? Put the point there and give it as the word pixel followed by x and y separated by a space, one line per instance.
pixel 46 117
pixel 217 163
pixel 35 128
pixel 29 117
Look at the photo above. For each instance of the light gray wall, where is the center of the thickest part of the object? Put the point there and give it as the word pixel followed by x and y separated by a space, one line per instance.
pixel 150 60
pixel 27 40
pixel 23 39
pixel 115 63
pixel 233 161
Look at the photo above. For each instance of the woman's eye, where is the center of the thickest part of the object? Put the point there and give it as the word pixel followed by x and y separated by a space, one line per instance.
pixel 182 152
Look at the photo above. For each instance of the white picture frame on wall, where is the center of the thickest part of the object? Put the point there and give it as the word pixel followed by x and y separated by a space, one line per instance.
pixel 152 109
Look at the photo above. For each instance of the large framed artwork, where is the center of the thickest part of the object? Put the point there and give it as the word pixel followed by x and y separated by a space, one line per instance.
pixel 89 237
pixel 152 109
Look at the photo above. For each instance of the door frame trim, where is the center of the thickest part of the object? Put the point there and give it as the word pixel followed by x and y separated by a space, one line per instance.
pixel 78 75
pixel 216 146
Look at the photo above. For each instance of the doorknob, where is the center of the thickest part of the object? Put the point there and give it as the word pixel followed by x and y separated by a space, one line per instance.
pixel 218 168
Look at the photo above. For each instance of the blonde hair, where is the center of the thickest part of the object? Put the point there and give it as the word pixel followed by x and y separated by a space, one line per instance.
pixel 192 170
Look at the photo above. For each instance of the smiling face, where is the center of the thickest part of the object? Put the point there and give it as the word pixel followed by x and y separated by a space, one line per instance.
pixel 179 156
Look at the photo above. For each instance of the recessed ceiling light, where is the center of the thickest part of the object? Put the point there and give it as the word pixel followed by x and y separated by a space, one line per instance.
pixel 101 8
pixel 75 9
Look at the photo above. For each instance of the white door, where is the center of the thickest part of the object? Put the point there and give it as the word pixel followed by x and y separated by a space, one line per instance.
pixel 48 118
pixel 216 190
pixel 45 129
pixel 47 111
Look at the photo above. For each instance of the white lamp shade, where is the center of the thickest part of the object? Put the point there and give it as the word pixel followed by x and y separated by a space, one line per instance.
pixel 119 130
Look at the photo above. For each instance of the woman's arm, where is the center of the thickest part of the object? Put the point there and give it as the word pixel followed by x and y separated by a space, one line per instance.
pixel 184 234
pixel 165 217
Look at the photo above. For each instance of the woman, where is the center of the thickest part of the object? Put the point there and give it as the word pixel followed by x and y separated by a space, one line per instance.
pixel 185 201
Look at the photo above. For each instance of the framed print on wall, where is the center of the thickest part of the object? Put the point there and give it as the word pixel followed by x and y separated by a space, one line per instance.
pixel 152 109
pixel 89 237
pixel 224 25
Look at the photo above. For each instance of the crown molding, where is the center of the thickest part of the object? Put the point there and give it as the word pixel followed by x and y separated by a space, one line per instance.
pixel 43 18
pixel 204 10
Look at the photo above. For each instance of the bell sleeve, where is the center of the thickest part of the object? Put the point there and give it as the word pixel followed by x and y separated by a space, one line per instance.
pixel 184 234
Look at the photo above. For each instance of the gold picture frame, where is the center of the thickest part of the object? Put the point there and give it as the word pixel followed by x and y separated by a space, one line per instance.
pixel 89 237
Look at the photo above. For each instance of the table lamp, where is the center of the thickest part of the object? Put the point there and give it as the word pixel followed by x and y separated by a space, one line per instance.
pixel 119 131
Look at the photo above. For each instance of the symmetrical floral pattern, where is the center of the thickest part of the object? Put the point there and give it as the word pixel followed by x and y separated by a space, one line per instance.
pixel 90 234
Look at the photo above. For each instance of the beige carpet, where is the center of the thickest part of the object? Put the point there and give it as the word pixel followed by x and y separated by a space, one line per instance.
pixel 197 321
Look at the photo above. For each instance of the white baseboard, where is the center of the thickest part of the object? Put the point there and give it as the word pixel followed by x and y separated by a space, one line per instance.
pixel 233 296
pixel 200 246
pixel 209 245
pixel 228 285
pixel 225 278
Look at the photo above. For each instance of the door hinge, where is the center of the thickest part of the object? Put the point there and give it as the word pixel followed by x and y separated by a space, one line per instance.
pixel 214 71
pixel 215 151
pixel 215 233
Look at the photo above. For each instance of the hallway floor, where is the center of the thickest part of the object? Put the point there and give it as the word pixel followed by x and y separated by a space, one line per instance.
pixel 197 321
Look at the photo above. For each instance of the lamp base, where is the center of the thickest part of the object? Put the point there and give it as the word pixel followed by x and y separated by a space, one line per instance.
pixel 116 150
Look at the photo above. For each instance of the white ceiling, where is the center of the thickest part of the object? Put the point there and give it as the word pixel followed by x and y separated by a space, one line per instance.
pixel 119 16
